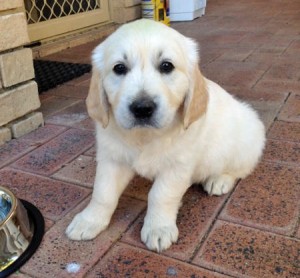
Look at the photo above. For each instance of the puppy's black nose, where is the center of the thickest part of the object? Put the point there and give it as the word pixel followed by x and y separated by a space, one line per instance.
pixel 142 108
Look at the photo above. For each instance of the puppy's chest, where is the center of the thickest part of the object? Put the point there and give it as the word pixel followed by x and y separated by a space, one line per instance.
pixel 152 159
pixel 149 162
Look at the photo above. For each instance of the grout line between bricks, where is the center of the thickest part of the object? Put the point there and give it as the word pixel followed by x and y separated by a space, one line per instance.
pixel 297 226
pixel 118 239
pixel 261 230
pixel 283 52
pixel 280 108
pixel 216 218
pixel 30 149
pixel 261 77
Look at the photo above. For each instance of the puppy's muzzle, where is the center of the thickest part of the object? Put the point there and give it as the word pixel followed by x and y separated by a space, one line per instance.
pixel 143 109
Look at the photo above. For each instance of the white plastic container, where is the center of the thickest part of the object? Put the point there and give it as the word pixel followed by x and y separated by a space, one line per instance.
pixel 186 10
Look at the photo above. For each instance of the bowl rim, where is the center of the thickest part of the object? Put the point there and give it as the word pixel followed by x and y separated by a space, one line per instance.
pixel 39 228
pixel 14 202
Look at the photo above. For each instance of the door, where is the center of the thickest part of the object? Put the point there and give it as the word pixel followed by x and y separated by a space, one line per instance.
pixel 49 18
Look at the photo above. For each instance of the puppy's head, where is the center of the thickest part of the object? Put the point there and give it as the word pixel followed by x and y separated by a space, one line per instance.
pixel 146 75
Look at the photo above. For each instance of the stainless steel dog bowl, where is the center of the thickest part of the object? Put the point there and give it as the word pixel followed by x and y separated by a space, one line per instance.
pixel 21 231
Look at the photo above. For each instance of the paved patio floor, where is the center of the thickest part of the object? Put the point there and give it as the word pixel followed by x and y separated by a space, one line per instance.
pixel 251 48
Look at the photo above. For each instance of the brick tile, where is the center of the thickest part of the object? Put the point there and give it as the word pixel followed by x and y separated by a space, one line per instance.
pixel 56 251
pixel 54 104
pixel 42 134
pixel 127 261
pixel 85 84
pixel 251 24
pixel 53 198
pixel 263 95
pixel 263 58
pixel 222 38
pixel 13 150
pixel 270 51
pixel 19 275
pixel 277 86
pixel 298 233
pixel 208 54
pixel 292 29
pixel 91 151
pixel 69 116
pixel 246 252
pixel 71 55
pixel 282 151
pixel 138 188
pixel 293 49
pixel 71 91
pixel 194 219
pixel 53 155
pixel 48 224
pixel 289 72
pixel 86 124
pixel 256 39
pixel 202 25
pixel 81 170
pixel 285 131
pixel 291 110
pixel 44 96
pixel 234 73
pixel 281 41
pixel 267 199
pixel 237 54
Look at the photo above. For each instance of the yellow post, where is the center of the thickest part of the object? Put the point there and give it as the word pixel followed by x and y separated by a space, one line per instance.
pixel 157 10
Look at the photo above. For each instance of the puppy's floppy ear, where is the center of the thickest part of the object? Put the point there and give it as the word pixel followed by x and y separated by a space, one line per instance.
pixel 195 103
pixel 196 100
pixel 96 102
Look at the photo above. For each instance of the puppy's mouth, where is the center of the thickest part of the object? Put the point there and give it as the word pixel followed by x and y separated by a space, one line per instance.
pixel 145 124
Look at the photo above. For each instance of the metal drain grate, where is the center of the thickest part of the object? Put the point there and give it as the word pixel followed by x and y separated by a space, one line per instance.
pixel 49 74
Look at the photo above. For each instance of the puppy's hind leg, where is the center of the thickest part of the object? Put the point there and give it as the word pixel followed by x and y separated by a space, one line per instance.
pixel 111 180
pixel 219 185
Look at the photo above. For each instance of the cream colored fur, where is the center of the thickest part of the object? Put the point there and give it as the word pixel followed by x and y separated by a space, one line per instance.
pixel 199 132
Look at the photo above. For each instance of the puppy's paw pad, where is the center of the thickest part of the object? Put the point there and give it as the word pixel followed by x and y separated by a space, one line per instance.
pixel 159 238
pixel 219 185
pixel 83 229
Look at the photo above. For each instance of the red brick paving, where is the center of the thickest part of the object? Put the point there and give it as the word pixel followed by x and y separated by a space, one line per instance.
pixel 251 48
pixel 50 157
pixel 268 199
pixel 194 219
pixel 291 110
pixel 245 252
pixel 285 131
pixel 56 251
pixel 127 261
pixel 53 198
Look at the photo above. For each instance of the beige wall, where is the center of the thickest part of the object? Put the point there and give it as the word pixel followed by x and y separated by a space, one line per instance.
pixel 18 92
pixel 125 10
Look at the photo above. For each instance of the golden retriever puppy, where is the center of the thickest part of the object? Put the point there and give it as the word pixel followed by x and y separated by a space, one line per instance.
pixel 156 115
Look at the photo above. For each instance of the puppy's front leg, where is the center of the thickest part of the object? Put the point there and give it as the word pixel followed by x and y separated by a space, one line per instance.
pixel 159 230
pixel 111 180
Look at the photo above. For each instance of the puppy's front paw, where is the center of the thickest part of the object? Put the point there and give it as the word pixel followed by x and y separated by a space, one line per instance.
pixel 159 238
pixel 84 228
pixel 219 185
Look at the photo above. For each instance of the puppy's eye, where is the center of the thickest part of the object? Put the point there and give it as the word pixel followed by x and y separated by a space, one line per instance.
pixel 166 67
pixel 120 69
